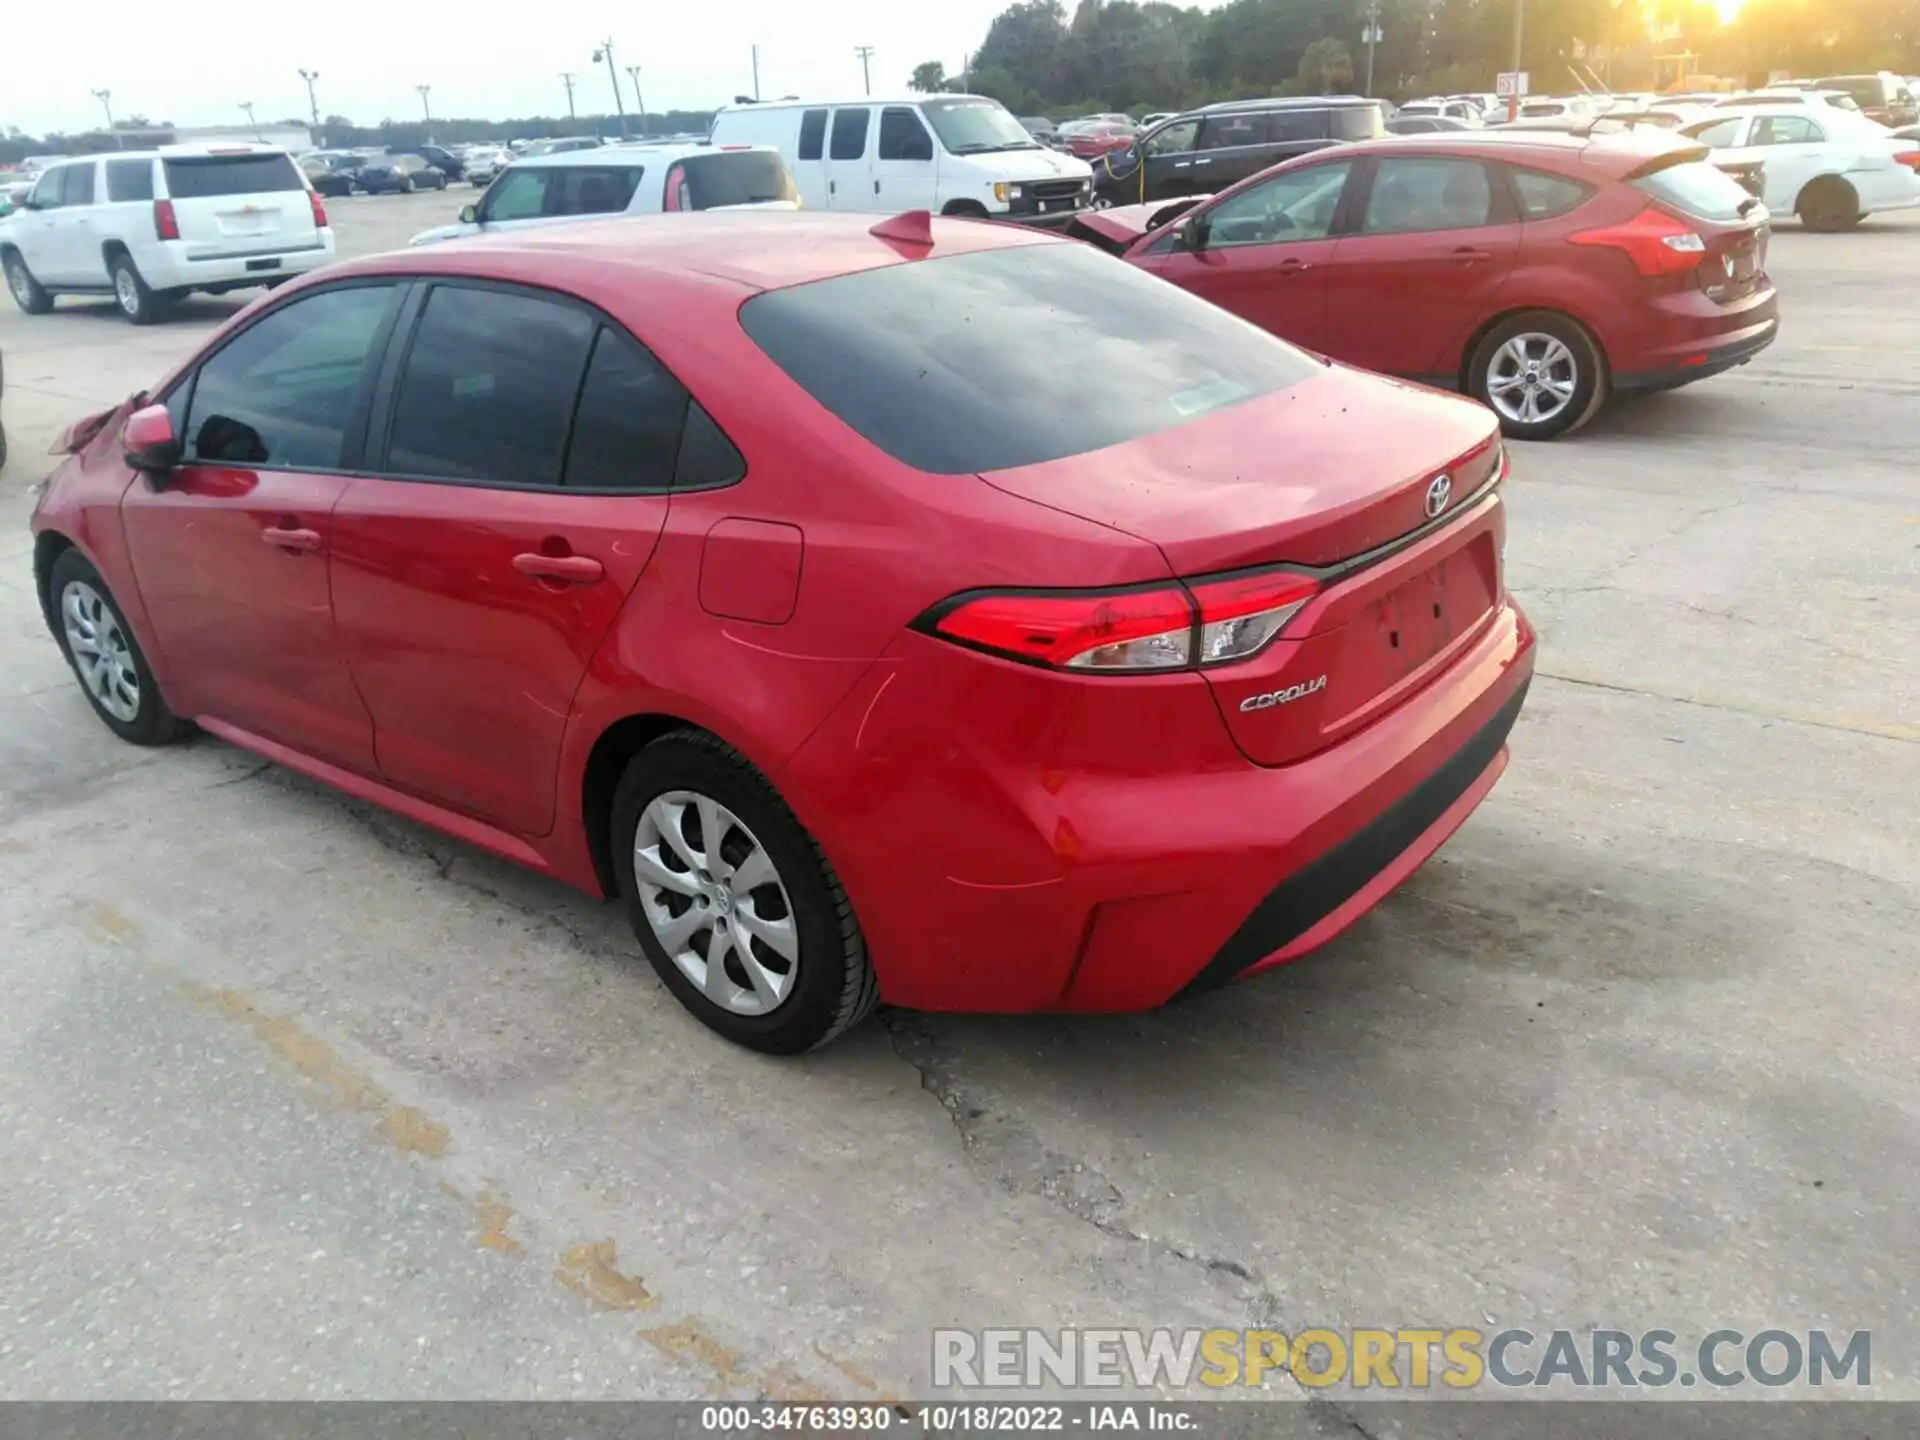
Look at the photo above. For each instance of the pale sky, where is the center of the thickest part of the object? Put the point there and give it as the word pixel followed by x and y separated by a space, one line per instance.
pixel 488 60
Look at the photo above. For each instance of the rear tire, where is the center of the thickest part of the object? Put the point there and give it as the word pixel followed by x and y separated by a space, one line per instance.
pixel 106 659
pixel 1829 205
pixel 28 293
pixel 677 881
pixel 1541 373
pixel 137 301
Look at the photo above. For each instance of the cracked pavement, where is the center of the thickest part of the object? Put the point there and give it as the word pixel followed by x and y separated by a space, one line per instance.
pixel 298 1100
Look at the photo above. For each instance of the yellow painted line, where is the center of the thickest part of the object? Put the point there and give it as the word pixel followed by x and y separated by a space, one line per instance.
pixel 1852 724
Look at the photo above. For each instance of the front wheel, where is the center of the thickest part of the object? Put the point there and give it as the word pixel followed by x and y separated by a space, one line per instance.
pixel 28 293
pixel 1541 373
pixel 105 657
pixel 737 909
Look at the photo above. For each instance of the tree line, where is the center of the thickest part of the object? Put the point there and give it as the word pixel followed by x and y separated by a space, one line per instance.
pixel 1135 55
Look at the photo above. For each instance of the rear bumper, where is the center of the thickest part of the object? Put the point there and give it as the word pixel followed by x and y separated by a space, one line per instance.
pixel 174 269
pixel 1699 360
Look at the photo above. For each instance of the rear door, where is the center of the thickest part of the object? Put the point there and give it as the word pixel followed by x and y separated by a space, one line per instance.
pixel 1433 242
pixel 849 179
pixel 1231 148
pixel 1795 150
pixel 1265 253
pixel 246 202
pixel 903 174
pixel 231 550
pixel 524 447
pixel 810 159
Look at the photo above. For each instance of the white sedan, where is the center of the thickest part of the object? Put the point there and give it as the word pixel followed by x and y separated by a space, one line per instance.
pixel 1830 167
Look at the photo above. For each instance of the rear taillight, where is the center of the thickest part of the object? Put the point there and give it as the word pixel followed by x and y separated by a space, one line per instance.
pixel 166 225
pixel 1909 158
pixel 1657 243
pixel 319 209
pixel 1162 627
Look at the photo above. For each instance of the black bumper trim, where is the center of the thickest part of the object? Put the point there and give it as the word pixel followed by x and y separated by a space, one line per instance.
pixel 1719 362
pixel 1317 889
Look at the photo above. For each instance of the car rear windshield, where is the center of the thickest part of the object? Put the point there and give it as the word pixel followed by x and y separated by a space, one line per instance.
pixel 200 177
pixel 1699 189
pixel 1012 357
pixel 1865 89
pixel 737 177
pixel 1358 122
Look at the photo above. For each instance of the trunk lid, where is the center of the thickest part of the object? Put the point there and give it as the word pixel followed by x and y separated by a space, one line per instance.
pixel 1335 476
pixel 240 202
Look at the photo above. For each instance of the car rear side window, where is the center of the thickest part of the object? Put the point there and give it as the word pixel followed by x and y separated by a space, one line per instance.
pixel 1699 189
pixel 1223 132
pixel 1288 126
pixel 591 189
pixel 282 392
pixel 1786 130
pixel 129 180
pixel 1428 194
pixel 202 177
pixel 1544 196
pixel 488 390
pixel 813 132
pixel 1014 356
pixel 626 428
pixel 849 135
pixel 1716 135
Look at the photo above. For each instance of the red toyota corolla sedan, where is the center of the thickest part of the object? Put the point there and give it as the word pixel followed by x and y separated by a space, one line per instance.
pixel 1537 271
pixel 934 612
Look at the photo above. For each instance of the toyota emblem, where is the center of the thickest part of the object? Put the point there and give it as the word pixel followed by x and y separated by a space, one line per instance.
pixel 1438 494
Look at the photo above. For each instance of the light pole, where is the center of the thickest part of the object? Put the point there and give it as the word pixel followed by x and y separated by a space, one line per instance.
pixel 639 100
pixel 252 124
pixel 426 110
pixel 105 97
pixel 566 78
pixel 313 105
pixel 605 52
pixel 1373 37
pixel 865 52
pixel 756 72
pixel 1519 20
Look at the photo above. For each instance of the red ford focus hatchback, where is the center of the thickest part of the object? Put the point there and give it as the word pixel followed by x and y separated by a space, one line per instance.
pixel 937 613
pixel 1536 271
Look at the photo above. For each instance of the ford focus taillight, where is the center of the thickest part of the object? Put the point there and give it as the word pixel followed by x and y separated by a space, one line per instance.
pixel 1176 626
pixel 1657 243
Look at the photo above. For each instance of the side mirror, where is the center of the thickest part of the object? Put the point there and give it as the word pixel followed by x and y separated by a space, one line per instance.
pixel 148 441
pixel 469 214
pixel 1193 232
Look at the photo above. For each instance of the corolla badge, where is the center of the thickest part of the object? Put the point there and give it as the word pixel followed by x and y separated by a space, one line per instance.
pixel 1439 493
pixel 1284 697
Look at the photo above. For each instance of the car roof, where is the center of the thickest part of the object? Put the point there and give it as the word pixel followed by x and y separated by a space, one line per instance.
pixel 857 101
pixel 638 152
pixel 1283 102
pixel 172 152
pixel 1616 154
pixel 727 253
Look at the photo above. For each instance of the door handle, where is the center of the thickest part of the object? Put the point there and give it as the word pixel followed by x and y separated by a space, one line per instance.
pixel 876 187
pixel 574 569
pixel 1181 164
pixel 291 538
pixel 833 187
pixel 1293 267
pixel 1203 162
pixel 1467 255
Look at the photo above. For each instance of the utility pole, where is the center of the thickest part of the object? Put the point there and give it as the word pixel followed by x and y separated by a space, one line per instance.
pixel 1374 35
pixel 639 100
pixel 756 72
pixel 1519 20
pixel 247 105
pixel 865 52
pixel 313 105
pixel 605 52
pixel 105 97
pixel 567 77
pixel 426 110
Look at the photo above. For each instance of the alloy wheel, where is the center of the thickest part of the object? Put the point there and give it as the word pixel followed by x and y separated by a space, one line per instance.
pixel 100 651
pixel 1532 378
pixel 715 902
pixel 18 279
pixel 125 291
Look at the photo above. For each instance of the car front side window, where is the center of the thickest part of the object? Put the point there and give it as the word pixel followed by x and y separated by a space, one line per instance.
pixel 591 189
pixel 1297 205
pixel 282 392
pixel 517 195
pixel 1174 139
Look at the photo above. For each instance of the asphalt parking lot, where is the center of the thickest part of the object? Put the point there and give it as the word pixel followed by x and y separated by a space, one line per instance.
pixel 299 1101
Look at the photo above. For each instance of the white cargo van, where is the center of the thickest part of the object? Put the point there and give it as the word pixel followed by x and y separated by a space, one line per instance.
pixel 951 154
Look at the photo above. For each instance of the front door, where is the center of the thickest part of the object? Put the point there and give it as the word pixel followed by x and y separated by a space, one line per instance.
pixel 528 455
pixel 1264 252
pixel 903 177
pixel 1434 241
pixel 849 173
pixel 231 549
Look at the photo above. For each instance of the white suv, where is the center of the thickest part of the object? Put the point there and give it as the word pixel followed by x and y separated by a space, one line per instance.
pixel 625 180
pixel 149 227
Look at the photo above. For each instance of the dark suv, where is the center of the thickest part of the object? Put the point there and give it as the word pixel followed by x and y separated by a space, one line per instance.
pixel 1206 150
